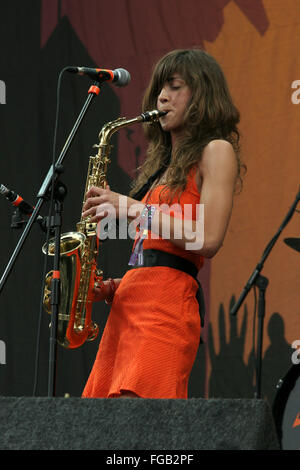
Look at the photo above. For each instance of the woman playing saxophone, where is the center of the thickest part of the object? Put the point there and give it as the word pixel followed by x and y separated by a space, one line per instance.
pixel 190 174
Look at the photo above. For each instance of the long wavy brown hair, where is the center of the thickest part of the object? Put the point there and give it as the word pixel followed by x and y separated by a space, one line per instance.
pixel 211 114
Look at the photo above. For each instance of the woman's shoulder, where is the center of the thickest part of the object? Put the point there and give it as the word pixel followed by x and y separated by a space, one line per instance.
pixel 217 152
pixel 218 145
pixel 218 156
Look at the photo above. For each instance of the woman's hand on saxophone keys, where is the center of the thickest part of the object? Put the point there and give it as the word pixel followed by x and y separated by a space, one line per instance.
pixel 99 203
pixel 102 202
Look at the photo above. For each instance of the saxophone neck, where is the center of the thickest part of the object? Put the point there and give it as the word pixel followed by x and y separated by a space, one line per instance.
pixel 111 127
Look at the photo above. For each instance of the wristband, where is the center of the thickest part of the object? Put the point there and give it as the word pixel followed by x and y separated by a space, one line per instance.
pixel 137 257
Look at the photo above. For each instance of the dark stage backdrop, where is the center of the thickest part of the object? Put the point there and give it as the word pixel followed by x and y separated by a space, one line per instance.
pixel 256 43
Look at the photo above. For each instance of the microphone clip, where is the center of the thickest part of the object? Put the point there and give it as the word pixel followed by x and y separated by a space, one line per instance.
pixel 19 218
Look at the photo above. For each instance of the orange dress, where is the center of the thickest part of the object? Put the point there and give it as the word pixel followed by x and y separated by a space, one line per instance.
pixel 152 334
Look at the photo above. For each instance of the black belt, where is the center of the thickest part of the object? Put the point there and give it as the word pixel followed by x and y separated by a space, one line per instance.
pixel 162 258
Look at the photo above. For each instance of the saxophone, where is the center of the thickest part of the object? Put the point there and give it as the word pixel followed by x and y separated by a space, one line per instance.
pixel 79 252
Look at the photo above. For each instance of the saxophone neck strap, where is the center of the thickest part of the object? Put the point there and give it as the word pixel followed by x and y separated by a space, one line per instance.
pixel 145 188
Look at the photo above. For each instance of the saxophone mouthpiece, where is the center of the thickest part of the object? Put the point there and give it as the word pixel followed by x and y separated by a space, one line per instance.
pixel 152 116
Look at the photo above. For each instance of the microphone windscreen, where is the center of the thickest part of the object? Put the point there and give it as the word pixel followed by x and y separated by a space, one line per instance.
pixel 121 77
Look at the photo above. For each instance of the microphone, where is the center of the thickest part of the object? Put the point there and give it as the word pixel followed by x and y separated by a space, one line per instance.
pixel 16 200
pixel 22 207
pixel 120 77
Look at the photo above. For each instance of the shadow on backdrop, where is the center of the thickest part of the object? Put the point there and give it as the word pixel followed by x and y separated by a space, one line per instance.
pixel 228 363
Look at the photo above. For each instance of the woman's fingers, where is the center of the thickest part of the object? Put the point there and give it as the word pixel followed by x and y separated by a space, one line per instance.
pixel 98 212
pixel 96 196
pixel 101 202
pixel 89 213
pixel 94 191
pixel 95 214
pixel 92 202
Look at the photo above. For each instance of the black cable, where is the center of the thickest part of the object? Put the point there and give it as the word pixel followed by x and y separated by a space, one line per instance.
pixel 41 309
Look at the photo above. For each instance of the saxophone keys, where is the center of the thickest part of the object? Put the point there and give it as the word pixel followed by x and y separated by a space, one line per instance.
pixel 48 279
pixel 98 278
pixel 47 292
pixel 90 229
pixel 47 303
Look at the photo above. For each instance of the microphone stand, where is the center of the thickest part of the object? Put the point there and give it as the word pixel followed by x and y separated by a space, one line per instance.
pixel 262 282
pixel 52 179
pixel 55 225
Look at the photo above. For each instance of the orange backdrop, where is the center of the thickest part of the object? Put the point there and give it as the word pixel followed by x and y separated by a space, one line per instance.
pixel 260 69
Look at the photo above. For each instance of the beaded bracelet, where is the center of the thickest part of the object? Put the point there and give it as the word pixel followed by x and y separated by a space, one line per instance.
pixel 137 258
